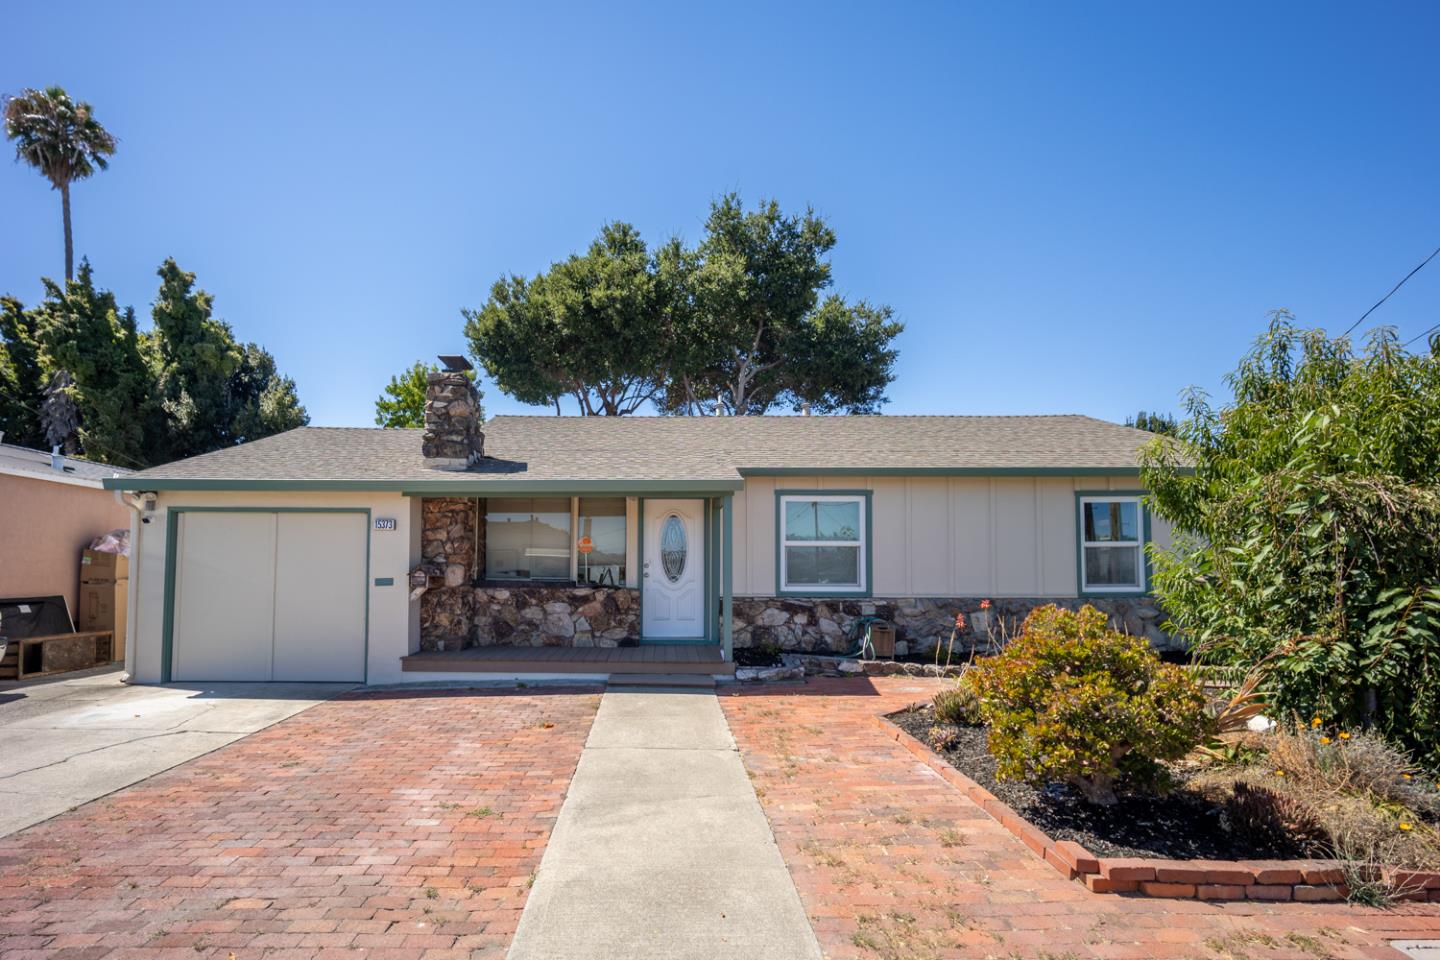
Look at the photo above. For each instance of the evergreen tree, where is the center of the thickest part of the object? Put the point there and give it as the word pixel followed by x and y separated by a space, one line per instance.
pixel 21 379
pixel 80 330
pixel 1161 423
pixel 214 391
pixel 264 401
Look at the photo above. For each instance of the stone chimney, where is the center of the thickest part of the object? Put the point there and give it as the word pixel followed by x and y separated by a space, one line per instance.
pixel 453 439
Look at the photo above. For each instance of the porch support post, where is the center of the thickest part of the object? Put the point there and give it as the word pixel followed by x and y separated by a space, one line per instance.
pixel 727 565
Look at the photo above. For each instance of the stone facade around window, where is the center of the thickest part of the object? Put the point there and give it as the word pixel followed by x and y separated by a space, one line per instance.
pixel 827 624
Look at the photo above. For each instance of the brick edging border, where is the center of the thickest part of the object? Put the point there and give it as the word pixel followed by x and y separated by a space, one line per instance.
pixel 1304 880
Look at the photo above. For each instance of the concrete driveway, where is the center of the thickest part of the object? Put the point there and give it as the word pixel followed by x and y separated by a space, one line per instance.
pixel 67 741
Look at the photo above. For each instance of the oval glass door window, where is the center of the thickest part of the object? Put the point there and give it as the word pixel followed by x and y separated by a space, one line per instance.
pixel 673 548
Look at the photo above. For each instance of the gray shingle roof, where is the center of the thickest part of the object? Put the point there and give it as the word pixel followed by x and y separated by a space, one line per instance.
pixel 683 448
pixel 27 461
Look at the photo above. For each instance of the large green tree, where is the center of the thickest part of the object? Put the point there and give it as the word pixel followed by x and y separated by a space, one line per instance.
pixel 1309 528
pixel 60 138
pixel 595 328
pixel 76 371
pixel 739 323
pixel 402 404
pixel 79 330
pixel 21 376
pixel 213 390
pixel 759 334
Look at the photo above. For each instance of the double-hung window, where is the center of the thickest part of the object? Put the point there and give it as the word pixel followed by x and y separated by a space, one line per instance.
pixel 822 543
pixel 1112 544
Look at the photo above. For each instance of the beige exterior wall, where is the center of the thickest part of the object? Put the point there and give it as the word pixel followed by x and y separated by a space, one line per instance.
pixel 942 536
pixel 44 525
pixel 394 620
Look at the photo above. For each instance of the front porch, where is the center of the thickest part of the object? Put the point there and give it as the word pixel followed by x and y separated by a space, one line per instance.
pixel 619 581
pixel 655 658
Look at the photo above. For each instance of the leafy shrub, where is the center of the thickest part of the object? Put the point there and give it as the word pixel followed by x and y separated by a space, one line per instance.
pixel 959 705
pixel 1072 700
pixel 1308 528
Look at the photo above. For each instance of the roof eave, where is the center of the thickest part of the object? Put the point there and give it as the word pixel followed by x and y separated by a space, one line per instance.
pixel 457 487
pixel 1036 471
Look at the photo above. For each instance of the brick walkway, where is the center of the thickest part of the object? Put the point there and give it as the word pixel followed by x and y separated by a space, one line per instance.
pixel 381 825
pixel 894 863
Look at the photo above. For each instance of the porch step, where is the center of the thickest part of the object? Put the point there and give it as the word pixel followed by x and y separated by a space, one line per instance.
pixel 650 659
pixel 661 680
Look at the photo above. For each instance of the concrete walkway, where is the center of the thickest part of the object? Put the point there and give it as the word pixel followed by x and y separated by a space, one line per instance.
pixel 68 740
pixel 661 849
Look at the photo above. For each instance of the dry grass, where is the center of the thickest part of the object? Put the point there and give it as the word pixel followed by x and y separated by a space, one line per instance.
pixel 1352 797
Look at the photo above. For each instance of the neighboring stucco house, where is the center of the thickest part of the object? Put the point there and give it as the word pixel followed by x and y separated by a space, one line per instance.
pixel 568 545
pixel 51 507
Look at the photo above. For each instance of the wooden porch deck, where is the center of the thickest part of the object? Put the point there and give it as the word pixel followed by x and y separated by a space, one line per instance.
pixel 658 658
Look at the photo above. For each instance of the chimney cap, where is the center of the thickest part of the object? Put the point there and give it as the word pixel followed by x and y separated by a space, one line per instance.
pixel 454 363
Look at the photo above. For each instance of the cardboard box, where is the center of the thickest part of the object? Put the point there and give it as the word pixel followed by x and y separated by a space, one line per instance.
pixel 97 567
pixel 102 607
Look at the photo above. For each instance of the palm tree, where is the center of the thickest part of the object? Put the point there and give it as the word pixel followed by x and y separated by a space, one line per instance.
pixel 60 138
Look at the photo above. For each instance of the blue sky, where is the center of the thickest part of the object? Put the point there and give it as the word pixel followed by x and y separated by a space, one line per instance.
pixel 1073 207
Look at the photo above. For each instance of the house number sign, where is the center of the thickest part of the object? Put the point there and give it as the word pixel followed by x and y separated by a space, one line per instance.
pixel 384 523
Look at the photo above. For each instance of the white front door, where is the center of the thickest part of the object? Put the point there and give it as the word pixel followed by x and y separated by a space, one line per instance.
pixel 673 604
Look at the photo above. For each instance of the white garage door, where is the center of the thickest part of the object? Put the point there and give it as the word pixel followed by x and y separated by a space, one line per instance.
pixel 269 596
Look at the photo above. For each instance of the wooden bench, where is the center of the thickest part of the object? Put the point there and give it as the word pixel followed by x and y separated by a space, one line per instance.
pixel 30 657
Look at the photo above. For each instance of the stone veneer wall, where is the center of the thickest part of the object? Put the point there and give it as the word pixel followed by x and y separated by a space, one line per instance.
pixel 558 615
pixel 803 624
pixel 452 439
pixel 447 543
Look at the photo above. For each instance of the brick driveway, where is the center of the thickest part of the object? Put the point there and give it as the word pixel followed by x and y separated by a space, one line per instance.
pixel 378 825
pixel 894 863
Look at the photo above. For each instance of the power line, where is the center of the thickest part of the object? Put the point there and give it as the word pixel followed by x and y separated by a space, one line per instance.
pixel 1388 295
pixel 1418 336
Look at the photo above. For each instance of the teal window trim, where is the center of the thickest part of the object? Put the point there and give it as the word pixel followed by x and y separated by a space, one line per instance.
pixel 172 535
pixel 866 547
pixel 1145 572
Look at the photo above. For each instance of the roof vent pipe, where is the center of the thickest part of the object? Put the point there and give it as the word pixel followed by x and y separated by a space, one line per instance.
pixel 57 459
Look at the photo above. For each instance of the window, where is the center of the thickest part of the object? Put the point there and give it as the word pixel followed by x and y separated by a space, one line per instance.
pixel 822 541
pixel 527 539
pixel 602 519
pixel 1112 557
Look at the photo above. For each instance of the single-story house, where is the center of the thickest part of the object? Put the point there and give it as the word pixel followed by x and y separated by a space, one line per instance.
pixel 51 507
pixel 547 545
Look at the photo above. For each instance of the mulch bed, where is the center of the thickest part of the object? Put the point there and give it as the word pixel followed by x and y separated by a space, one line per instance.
pixel 755 657
pixel 1178 826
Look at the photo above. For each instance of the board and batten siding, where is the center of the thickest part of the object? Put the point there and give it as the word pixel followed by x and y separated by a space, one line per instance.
pixel 942 536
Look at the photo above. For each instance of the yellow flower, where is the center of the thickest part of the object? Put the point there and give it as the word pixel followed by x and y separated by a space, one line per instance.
pixel 1279 773
pixel 1324 739
pixel 1404 826
pixel 1315 721
pixel 1344 735
pixel 1406 776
